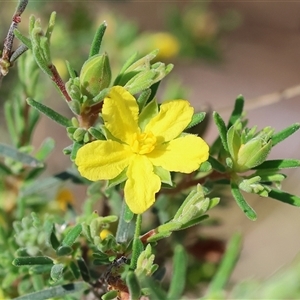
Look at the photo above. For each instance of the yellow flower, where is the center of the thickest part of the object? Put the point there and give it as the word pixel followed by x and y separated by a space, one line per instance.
pixel 138 150
pixel 64 198
pixel 104 234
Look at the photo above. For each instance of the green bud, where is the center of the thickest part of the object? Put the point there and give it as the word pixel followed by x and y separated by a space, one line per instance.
pixel 78 135
pixel 252 154
pixel 95 75
pixel 75 122
pixel 75 106
pixel 234 139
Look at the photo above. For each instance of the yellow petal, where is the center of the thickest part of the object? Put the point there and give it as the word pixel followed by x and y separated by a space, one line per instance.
pixel 102 160
pixel 172 119
pixel 141 185
pixel 120 114
pixel 184 154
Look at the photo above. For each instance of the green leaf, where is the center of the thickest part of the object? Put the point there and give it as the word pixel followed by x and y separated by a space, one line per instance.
pixel 71 71
pixel 241 202
pixel 147 114
pixel 96 133
pixel 57 291
pixel 164 175
pixel 10 123
pixel 75 148
pixel 25 40
pixel 194 222
pixel 221 128
pixel 29 261
pixel 143 98
pixel 178 274
pixel 45 149
pixel 128 215
pixel 84 271
pixel 40 269
pixel 237 111
pixel 64 250
pixel 133 286
pixel 96 44
pixel 111 295
pixel 278 164
pixel 117 180
pixel 196 119
pixel 19 156
pixel 72 235
pixel 138 248
pixel 216 165
pixel 50 236
pixel 39 187
pixel 285 197
pixel 57 272
pixel 285 133
pixel 50 113
pixel 156 292
pixel 124 227
pixel 205 167
pixel 226 267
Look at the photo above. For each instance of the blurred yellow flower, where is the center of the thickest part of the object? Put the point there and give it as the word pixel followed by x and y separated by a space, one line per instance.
pixel 138 151
pixel 64 198
pixel 167 44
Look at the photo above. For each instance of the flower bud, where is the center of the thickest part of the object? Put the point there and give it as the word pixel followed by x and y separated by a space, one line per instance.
pixel 95 75
pixel 254 152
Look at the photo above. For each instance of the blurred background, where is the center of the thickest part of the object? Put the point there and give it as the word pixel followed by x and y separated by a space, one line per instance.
pixel 220 50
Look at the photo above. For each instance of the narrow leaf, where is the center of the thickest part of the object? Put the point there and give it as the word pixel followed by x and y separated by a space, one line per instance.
pixel 84 271
pixel 221 128
pixel 241 202
pixel 9 116
pixel 96 44
pixel 45 149
pixel 133 286
pixel 285 197
pixel 237 111
pixel 25 40
pixel 196 119
pixel 279 164
pixel 216 165
pixel 64 250
pixel 50 113
pixel 57 291
pixel 178 274
pixel 29 261
pixel 72 235
pixel 40 269
pixel 15 154
pixel 156 292
pixel 50 235
pixel 226 267
pixel 285 133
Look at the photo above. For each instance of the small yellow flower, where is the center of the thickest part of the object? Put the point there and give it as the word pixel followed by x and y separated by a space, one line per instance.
pixel 104 234
pixel 138 151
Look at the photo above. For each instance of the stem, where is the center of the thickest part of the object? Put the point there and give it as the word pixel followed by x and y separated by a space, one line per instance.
pixel 59 83
pixel 136 246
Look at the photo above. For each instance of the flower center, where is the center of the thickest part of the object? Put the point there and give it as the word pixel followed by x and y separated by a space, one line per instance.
pixel 143 143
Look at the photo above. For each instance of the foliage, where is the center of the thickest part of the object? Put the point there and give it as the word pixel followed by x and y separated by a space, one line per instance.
pixel 49 249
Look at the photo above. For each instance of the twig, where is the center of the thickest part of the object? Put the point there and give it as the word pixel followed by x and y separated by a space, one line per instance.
pixel 267 99
pixel 5 62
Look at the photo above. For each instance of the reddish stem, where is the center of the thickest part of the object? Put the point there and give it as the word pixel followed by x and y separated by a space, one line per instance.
pixel 59 82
